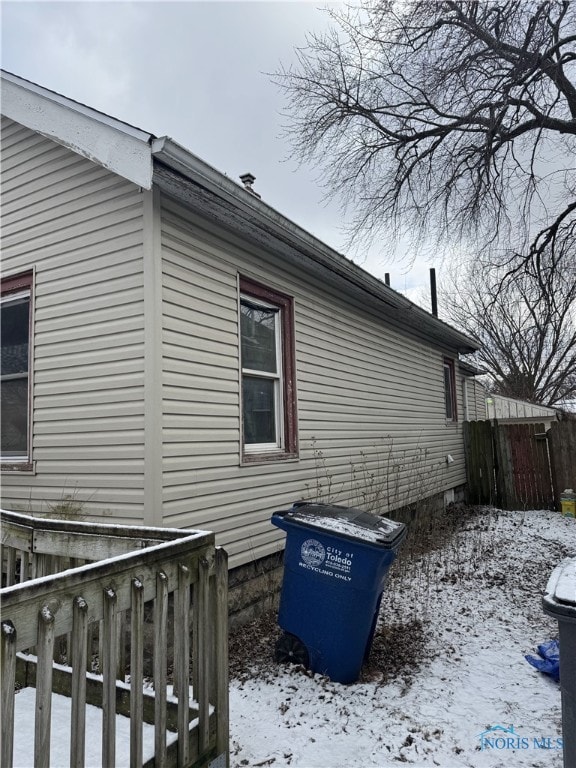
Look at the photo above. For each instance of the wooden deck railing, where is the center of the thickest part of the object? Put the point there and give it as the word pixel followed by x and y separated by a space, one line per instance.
pixel 84 604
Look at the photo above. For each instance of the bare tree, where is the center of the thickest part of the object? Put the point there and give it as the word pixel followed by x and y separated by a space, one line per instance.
pixel 452 119
pixel 526 328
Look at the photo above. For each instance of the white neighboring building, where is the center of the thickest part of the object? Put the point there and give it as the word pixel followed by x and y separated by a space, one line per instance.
pixel 508 410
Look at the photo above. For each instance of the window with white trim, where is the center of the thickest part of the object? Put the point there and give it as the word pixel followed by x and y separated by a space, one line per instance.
pixel 15 324
pixel 267 361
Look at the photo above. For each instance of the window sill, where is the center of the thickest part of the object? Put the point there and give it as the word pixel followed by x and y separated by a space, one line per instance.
pixel 16 468
pixel 248 459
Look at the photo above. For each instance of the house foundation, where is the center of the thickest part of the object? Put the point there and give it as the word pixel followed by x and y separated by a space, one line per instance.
pixel 255 588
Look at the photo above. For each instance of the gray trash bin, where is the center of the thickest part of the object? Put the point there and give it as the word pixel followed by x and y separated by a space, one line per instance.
pixel 559 601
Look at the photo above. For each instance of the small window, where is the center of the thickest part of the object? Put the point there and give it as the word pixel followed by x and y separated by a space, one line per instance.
pixel 267 360
pixel 450 390
pixel 15 368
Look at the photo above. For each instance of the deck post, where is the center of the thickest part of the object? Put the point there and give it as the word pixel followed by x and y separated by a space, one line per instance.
pixel 160 647
pixel 43 714
pixel 79 646
pixel 10 567
pixel 110 640
pixel 204 650
pixel 220 614
pixel 182 661
pixel 136 673
pixel 8 679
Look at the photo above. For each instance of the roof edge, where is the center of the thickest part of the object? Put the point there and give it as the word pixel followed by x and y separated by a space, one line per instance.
pixel 174 156
pixel 117 146
pixel 131 153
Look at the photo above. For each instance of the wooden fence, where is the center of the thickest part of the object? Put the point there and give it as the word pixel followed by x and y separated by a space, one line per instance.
pixel 105 601
pixel 519 466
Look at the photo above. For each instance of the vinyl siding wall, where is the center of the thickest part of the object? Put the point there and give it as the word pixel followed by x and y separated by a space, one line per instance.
pixel 476 400
pixel 80 228
pixel 371 419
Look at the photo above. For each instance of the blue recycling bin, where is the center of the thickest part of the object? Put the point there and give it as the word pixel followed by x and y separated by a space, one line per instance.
pixel 335 568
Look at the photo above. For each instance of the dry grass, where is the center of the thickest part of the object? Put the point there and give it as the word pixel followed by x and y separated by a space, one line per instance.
pixel 439 548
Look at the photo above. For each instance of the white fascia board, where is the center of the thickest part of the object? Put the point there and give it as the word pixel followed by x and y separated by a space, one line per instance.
pixel 120 148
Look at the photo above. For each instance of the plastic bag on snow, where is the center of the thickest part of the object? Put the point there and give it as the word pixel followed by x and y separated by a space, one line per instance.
pixel 549 660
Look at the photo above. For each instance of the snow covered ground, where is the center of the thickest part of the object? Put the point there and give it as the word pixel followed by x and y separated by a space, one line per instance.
pixel 472 610
pixel 60 734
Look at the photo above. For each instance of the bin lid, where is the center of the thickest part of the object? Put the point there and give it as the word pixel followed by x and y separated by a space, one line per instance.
pixel 560 595
pixel 348 522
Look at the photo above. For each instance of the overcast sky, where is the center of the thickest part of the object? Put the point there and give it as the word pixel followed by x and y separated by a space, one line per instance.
pixel 197 72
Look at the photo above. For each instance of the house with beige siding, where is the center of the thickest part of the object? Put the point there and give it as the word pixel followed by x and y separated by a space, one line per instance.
pixel 177 352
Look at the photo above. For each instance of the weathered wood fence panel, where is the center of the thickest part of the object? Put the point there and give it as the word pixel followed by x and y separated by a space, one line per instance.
pixel 479 445
pixel 523 479
pixel 179 575
pixel 519 466
pixel 562 444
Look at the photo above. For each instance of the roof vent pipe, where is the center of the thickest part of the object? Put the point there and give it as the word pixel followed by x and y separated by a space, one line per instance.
pixel 433 294
pixel 248 179
pixel 387 278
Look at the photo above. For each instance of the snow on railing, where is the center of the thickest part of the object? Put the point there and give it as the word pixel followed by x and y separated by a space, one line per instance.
pixel 116 599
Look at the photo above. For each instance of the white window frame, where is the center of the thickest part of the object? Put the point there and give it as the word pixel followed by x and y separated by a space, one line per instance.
pixel 277 377
pixel 8 297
